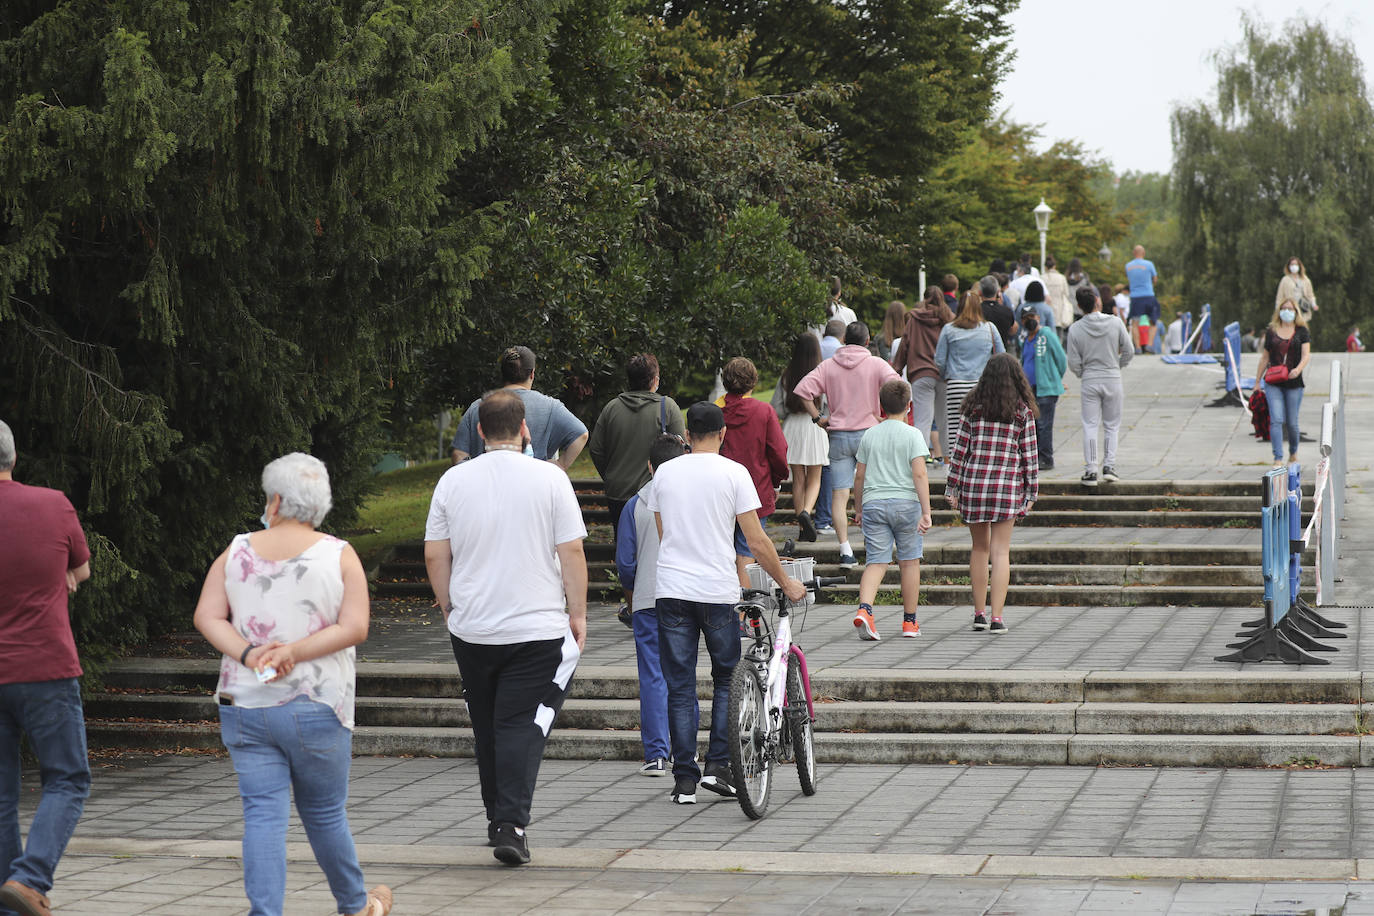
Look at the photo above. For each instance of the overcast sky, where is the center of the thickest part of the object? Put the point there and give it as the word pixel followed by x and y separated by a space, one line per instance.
pixel 1108 72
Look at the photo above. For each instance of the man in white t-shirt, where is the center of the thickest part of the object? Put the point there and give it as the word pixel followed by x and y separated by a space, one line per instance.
pixel 503 548
pixel 698 500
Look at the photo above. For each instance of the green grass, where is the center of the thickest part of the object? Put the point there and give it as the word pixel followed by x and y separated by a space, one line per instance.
pixel 397 512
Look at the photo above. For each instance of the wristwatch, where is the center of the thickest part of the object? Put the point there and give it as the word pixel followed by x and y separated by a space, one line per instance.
pixel 816 419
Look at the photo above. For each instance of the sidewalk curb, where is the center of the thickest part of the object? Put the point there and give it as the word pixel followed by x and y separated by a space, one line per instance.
pixel 761 862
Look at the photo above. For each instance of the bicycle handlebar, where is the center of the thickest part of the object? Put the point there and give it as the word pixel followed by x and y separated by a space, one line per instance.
pixel 811 585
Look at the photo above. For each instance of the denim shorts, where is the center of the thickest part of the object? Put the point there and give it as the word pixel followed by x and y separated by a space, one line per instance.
pixel 889 520
pixel 844 446
pixel 742 542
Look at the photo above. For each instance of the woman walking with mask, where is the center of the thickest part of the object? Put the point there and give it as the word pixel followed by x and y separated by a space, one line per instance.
pixel 1295 285
pixel 1284 355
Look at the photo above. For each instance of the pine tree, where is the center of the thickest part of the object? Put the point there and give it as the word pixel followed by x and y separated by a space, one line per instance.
pixel 223 232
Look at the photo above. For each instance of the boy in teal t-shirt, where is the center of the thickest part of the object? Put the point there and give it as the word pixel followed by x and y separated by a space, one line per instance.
pixel 892 506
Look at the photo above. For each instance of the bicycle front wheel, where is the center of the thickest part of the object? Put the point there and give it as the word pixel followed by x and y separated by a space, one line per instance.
pixel 748 739
pixel 799 724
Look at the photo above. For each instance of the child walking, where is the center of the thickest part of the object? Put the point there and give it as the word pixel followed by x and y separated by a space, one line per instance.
pixel 636 562
pixel 892 506
pixel 994 477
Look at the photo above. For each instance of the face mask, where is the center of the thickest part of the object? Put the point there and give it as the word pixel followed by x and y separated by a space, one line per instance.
pixel 1286 315
pixel 263 518
pixel 1293 268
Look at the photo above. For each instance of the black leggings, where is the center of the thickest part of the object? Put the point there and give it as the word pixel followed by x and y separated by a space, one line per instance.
pixel 513 693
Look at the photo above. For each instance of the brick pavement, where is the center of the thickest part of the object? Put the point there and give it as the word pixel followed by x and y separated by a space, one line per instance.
pixel 159 834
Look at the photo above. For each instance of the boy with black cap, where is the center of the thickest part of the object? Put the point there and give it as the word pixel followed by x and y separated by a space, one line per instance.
pixel 697 501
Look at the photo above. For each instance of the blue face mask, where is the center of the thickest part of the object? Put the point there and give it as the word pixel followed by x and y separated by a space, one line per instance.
pixel 1286 315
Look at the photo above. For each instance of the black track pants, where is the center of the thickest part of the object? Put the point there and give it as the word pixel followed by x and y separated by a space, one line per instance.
pixel 513 693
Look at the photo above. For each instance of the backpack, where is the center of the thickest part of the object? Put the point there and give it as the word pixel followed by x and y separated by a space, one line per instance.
pixel 1259 413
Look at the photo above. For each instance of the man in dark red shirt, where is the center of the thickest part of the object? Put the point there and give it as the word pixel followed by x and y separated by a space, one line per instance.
pixel 43 558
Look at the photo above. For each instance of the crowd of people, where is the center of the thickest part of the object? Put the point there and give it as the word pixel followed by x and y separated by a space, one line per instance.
pixel 688 491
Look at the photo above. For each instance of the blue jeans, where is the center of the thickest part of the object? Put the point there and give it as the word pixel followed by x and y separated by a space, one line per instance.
pixel 681 624
pixel 822 518
pixel 1284 404
pixel 653 690
pixel 49 712
pixel 1044 429
pixel 844 447
pixel 300 745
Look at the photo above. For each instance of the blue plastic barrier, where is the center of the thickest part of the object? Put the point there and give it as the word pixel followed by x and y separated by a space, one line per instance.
pixel 1157 345
pixel 1204 336
pixel 1187 332
pixel 1230 348
pixel 1286 631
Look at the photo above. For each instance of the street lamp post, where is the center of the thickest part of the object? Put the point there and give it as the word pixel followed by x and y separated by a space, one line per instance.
pixel 1042 223
pixel 1105 254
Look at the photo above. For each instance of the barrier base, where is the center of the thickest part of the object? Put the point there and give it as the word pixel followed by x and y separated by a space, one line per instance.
pixel 1309 626
pixel 1273 645
pixel 1310 613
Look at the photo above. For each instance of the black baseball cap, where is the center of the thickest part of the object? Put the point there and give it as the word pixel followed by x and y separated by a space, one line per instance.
pixel 704 417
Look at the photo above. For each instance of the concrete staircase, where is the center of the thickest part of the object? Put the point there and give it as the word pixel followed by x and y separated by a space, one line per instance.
pixel 1272 717
pixel 1078 571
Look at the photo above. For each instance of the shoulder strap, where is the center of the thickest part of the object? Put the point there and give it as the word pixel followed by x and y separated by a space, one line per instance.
pixel 662 414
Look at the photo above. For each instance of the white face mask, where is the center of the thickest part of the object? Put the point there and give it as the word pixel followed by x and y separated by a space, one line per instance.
pixel 1293 268
pixel 1286 315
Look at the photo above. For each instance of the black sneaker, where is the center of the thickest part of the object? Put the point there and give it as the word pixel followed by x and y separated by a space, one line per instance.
pixel 808 527
pixel 491 833
pixel 1109 473
pixel 511 845
pixel 655 767
pixel 998 627
pixel 625 616
pixel 1089 479
pixel 847 561
pixel 980 621
pixel 719 779
pixel 684 791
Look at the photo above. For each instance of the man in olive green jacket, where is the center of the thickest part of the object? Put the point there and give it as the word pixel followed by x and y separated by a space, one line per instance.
pixel 620 439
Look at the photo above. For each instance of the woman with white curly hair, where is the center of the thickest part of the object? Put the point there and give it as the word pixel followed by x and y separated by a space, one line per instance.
pixel 286 606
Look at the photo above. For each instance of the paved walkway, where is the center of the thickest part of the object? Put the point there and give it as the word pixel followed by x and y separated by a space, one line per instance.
pixel 160 834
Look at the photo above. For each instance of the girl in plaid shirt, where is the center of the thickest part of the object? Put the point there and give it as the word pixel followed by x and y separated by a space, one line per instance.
pixel 994 476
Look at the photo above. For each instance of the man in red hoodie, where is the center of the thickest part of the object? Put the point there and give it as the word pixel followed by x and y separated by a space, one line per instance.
pixel 850 380
pixel 753 438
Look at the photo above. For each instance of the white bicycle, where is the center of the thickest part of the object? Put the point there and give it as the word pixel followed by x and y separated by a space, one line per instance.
pixel 771 710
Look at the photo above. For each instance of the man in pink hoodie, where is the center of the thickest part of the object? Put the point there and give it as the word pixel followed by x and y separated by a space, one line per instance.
pixel 850 381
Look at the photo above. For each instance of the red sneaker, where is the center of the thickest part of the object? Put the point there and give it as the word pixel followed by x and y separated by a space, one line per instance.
pixel 911 628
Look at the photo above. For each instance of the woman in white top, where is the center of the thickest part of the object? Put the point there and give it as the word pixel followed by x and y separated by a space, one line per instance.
pixel 286 606
pixel 836 308
pixel 1295 285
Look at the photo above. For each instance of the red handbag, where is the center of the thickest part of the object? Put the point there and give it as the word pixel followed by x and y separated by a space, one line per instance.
pixel 1276 374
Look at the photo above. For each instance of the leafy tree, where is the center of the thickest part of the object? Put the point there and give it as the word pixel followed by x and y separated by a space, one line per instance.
pixel 221 235
pixel 1280 165
pixel 922 74
pixel 650 197
pixel 984 196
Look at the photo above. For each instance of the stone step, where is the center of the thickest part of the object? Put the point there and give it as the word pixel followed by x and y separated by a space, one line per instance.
pixel 1018 595
pixel 590 486
pixel 935 573
pixel 842 716
pixel 1057 518
pixel 594 505
pixel 435 679
pixel 831 748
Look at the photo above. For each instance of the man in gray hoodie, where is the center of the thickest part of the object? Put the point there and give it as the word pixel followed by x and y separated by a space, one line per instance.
pixel 1098 348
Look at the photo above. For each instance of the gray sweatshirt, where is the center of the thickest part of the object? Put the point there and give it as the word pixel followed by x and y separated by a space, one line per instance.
pixel 1098 347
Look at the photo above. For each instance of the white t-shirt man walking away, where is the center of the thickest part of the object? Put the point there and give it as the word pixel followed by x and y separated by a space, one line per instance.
pixel 698 500
pixel 503 548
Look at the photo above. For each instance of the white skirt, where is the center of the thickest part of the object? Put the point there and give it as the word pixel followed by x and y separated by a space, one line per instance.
pixel 807 443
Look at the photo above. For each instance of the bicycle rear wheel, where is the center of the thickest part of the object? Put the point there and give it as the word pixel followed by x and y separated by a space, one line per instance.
pixel 799 724
pixel 748 740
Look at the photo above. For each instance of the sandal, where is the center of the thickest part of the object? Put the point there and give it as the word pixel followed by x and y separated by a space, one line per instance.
pixel 378 902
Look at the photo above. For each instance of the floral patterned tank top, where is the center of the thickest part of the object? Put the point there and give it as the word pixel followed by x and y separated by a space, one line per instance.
pixel 288 600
